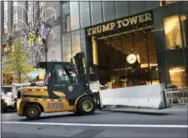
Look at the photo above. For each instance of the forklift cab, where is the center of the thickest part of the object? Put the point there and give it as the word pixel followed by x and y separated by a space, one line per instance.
pixel 66 77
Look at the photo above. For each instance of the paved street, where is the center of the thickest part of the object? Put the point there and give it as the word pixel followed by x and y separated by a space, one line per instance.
pixel 101 124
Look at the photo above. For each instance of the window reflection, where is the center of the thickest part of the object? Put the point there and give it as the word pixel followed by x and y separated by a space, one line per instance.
pixel 177 76
pixel 108 14
pixel 75 42
pixel 166 2
pixel 66 47
pixel 172 32
pixel 84 14
pixel 122 8
pixel 184 21
pixel 136 7
pixel 68 22
pixel 83 40
pixel 66 17
pixel 5 17
pixel 60 75
pixel 74 15
pixel 96 12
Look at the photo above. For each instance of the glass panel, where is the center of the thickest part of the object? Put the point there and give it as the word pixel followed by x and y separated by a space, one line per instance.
pixel 74 12
pixel 14 11
pixel 66 17
pixel 84 14
pixel 136 6
pixel 177 76
pixel 108 11
pixel 172 32
pixel 184 21
pixel 166 2
pixel 67 47
pixel 151 4
pixel 60 76
pixel 30 11
pixel 122 8
pixel 5 17
pixel 75 42
pixel 96 12
pixel 83 41
pixel 68 23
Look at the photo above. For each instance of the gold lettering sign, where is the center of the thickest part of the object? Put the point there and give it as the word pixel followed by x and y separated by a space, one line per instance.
pixel 129 21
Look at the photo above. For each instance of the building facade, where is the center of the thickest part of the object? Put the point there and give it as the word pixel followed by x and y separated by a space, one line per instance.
pixel 108 31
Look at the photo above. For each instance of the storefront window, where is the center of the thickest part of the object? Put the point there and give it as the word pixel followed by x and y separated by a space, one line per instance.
pixel 172 32
pixel 108 14
pixel 84 14
pixel 116 70
pixel 74 14
pixel 177 76
pixel 66 47
pixel 96 12
pixel 75 42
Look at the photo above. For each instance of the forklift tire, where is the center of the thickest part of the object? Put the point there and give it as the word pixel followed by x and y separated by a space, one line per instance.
pixel 3 107
pixel 86 105
pixel 32 112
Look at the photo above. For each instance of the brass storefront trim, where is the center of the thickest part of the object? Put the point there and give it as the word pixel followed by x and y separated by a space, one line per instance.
pixel 127 32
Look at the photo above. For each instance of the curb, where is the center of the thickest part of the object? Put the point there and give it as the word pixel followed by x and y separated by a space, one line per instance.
pixel 139 111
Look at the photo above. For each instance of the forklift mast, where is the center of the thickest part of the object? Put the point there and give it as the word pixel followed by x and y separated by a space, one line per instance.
pixel 80 62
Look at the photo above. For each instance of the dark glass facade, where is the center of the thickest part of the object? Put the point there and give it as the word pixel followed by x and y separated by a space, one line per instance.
pixel 108 10
pixel 170 40
pixel 96 12
pixel 84 14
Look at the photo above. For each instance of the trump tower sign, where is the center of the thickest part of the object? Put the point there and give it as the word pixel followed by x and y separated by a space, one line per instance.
pixel 127 23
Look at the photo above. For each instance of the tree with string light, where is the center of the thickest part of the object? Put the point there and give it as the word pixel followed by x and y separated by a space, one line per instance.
pixel 16 61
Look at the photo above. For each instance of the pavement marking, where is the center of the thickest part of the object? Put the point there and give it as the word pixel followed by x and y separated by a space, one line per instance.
pixel 98 125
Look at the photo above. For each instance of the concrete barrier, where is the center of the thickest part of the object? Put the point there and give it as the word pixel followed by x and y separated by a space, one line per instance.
pixel 147 96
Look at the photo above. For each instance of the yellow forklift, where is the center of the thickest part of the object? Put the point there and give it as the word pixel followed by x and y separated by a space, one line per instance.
pixel 66 89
